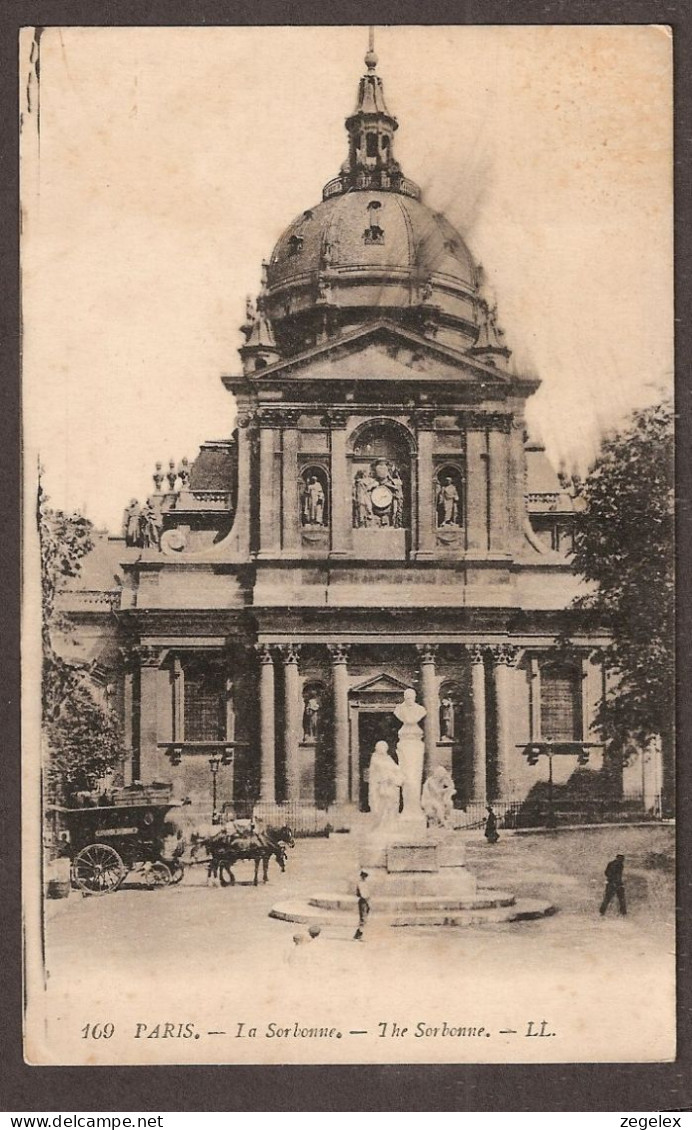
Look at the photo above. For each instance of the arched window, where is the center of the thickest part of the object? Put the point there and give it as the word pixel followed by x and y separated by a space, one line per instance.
pixel 449 497
pixel 295 245
pixel 314 497
pixel 381 486
pixel 374 233
pixel 561 714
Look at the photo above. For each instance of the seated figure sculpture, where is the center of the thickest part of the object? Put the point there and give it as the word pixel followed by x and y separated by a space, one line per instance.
pixel 384 787
pixel 437 797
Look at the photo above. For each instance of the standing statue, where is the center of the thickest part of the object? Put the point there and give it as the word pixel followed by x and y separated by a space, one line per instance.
pixel 397 488
pixel 447 503
pixel 311 713
pixel 151 525
pixel 410 751
pixel 437 797
pixel 131 524
pixel 447 719
pixel 385 780
pixel 363 485
pixel 313 502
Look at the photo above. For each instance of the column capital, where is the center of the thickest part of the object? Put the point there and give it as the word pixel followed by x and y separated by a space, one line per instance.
pixel 476 653
pixel 246 418
pixel 427 652
pixel 424 419
pixel 505 654
pixel 265 652
pixel 289 652
pixel 338 652
pixel 280 417
pixel 479 421
pixel 335 417
pixel 147 655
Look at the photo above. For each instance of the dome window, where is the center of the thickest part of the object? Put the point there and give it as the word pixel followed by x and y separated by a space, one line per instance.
pixel 295 245
pixel 374 233
pixel 307 215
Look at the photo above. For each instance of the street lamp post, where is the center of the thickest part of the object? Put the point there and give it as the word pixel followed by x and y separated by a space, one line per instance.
pixel 214 763
pixel 551 749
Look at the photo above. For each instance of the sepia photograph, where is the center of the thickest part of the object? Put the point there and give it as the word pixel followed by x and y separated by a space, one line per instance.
pixel 348 671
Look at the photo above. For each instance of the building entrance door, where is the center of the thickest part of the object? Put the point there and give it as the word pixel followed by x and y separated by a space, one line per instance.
pixel 376 725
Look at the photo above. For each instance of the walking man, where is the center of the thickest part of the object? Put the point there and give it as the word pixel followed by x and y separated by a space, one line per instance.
pixel 614 885
pixel 363 893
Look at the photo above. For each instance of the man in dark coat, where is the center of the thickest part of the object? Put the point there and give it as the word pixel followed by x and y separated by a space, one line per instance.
pixel 491 833
pixel 614 885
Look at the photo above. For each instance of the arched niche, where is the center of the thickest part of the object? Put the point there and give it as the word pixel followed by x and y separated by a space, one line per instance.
pixel 451 711
pixel 449 497
pixel 314 704
pixel 381 458
pixel 314 497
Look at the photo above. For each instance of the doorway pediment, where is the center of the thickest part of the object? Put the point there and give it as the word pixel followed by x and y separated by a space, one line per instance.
pixel 381 684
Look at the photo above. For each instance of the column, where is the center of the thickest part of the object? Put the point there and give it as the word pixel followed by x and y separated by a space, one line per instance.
pixel 339 656
pixel 498 472
pixel 505 657
pixel 269 526
pixel 128 707
pixel 290 502
pixel 149 658
pixel 431 702
pixel 342 520
pixel 517 483
pixel 476 486
pixel 478 708
pixel 534 699
pixel 425 533
pixel 267 737
pixel 586 732
pixel 292 719
pixel 241 521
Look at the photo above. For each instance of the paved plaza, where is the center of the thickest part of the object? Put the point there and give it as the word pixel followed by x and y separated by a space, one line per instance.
pixel 212 957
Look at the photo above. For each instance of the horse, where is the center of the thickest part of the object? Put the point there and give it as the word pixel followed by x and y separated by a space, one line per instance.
pixel 258 845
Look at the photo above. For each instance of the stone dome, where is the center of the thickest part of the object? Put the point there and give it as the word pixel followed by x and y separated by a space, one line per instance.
pixel 370 249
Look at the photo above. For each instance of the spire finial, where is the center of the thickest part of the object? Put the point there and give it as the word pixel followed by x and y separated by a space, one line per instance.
pixel 371 57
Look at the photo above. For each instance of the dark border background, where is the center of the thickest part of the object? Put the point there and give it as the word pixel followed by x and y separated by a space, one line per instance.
pixel 568 1087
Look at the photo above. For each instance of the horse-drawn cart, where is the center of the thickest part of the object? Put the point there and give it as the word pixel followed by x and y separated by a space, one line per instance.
pixel 108 842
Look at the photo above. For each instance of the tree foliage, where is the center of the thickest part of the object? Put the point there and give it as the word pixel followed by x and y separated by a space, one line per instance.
pixel 625 544
pixel 82 734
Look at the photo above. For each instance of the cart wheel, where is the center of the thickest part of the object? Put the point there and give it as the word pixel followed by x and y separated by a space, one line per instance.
pixel 98 869
pixel 157 875
pixel 177 870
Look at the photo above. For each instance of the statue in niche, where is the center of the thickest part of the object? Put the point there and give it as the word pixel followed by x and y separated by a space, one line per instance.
pixel 378 496
pixel 447 502
pixel 363 485
pixel 311 717
pixel 447 719
pixel 313 501
pixel 385 780
pixel 437 797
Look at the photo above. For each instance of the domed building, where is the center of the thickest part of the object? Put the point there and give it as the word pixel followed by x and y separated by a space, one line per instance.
pixel 377 520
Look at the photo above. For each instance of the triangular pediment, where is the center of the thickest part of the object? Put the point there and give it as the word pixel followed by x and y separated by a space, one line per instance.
pixel 381 684
pixel 382 351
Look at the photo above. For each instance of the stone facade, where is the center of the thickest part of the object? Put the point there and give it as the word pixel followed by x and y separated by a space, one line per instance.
pixel 378 519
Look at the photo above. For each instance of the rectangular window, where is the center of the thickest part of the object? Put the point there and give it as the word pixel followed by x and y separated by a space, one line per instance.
pixel 205 703
pixel 561 704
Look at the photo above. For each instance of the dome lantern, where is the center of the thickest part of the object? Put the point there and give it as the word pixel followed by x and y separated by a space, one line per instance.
pixel 370 163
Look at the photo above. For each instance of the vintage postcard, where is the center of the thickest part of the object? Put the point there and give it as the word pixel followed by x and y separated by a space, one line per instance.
pixel 347 654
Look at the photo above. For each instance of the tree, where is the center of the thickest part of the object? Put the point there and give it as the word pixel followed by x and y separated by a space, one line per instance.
pixel 82 734
pixel 624 543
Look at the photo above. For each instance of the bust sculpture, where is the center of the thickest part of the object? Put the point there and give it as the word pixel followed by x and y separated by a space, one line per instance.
pixel 410 752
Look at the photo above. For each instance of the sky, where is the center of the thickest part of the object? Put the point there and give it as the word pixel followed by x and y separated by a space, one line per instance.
pixel 169 161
